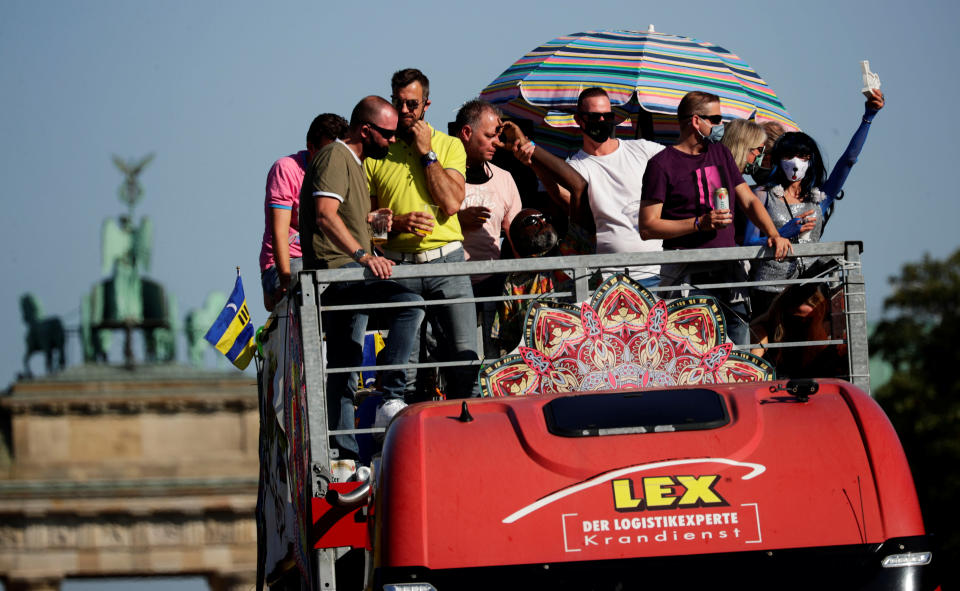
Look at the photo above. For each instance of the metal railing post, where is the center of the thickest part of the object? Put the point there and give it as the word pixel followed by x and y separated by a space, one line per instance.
pixel 315 377
pixel 855 309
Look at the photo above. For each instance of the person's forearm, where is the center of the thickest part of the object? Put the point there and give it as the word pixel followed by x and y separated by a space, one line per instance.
pixel 333 227
pixel 558 171
pixel 659 228
pixel 841 170
pixel 445 191
pixel 280 230
pixel 757 214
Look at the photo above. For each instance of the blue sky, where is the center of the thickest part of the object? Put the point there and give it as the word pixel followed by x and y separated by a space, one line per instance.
pixel 219 90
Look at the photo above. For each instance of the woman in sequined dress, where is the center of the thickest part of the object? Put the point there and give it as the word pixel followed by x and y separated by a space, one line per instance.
pixel 799 198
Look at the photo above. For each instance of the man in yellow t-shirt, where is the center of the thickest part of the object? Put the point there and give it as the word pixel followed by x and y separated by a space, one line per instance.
pixel 422 180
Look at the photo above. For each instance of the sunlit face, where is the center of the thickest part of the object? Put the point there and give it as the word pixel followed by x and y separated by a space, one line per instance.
pixel 379 133
pixel 702 120
pixel 484 138
pixel 593 104
pixel 388 120
pixel 410 104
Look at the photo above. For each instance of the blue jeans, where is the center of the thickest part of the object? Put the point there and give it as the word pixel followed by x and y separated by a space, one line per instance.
pixel 456 325
pixel 345 331
pixel 734 301
pixel 270 279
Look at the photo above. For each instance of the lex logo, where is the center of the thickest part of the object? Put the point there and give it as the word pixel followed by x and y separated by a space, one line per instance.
pixel 667 492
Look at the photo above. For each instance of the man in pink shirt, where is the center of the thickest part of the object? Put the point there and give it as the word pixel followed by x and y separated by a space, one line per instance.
pixel 280 255
pixel 492 199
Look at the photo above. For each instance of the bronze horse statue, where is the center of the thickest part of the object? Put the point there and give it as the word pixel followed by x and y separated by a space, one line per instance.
pixel 43 334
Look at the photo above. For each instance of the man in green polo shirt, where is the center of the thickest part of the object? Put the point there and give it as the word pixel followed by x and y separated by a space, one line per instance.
pixel 335 218
pixel 422 180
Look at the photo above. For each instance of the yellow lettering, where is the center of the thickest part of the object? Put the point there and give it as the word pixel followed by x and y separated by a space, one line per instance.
pixel 658 492
pixel 623 496
pixel 699 491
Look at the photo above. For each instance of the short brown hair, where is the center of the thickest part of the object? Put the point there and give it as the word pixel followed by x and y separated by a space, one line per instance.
pixel 471 112
pixel 406 77
pixel 326 126
pixel 693 103
pixel 774 130
pixel 590 93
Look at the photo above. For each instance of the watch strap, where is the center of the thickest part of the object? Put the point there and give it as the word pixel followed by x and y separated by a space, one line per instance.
pixel 428 158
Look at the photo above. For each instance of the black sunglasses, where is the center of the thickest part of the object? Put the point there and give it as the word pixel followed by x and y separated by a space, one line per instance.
pixel 715 119
pixel 535 218
pixel 411 104
pixel 592 117
pixel 386 133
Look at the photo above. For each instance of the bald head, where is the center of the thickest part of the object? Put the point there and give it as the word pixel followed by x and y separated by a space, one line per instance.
pixel 371 109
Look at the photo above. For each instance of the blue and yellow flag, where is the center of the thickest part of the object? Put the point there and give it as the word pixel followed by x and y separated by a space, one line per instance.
pixel 232 333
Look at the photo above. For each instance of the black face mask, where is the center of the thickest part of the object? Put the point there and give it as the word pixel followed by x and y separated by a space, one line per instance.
pixel 374 150
pixel 756 171
pixel 599 131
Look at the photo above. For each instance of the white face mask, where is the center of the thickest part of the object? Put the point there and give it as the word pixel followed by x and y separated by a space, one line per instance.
pixel 794 169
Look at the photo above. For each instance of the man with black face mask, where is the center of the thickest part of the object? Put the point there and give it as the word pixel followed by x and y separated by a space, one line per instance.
pixel 335 222
pixel 610 175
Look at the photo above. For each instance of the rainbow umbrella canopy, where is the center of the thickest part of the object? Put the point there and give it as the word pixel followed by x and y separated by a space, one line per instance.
pixel 645 73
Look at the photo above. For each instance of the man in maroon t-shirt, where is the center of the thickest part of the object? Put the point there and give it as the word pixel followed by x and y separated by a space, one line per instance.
pixel 677 205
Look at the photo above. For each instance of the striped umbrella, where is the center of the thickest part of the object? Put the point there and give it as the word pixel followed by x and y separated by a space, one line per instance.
pixel 645 73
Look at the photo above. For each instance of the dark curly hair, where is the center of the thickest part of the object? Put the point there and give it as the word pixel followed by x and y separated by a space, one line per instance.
pixel 328 126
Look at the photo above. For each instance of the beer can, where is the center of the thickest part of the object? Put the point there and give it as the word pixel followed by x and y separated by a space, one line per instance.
pixel 721 199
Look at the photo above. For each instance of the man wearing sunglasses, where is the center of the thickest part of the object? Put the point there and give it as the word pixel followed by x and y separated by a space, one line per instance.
pixel 679 188
pixel 423 181
pixel 608 173
pixel 335 221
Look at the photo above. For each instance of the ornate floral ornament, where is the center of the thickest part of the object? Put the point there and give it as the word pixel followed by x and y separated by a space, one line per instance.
pixel 623 337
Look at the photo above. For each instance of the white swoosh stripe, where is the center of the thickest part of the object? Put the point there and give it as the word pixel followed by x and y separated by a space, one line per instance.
pixel 756 470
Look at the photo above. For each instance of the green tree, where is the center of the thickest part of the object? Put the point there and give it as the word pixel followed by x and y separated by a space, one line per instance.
pixel 920 338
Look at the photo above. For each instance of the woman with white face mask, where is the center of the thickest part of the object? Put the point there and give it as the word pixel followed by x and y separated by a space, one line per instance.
pixel 799 197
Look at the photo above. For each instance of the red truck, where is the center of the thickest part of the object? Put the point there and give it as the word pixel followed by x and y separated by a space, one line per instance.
pixel 708 479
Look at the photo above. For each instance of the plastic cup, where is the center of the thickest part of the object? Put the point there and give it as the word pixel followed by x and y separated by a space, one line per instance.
pixel 378 227
pixel 433 210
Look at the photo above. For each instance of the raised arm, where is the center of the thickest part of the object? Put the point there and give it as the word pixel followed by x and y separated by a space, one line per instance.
pixel 564 184
pixel 447 186
pixel 838 176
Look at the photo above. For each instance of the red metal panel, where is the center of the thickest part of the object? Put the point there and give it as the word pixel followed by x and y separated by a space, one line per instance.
pixel 503 490
pixel 335 527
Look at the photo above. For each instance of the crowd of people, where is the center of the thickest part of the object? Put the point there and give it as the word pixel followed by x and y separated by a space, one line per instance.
pixel 445 200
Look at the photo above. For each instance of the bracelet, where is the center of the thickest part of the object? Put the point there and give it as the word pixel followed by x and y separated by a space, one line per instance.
pixel 696 223
pixel 867 121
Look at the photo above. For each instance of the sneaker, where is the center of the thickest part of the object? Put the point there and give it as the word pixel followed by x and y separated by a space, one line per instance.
pixel 387 410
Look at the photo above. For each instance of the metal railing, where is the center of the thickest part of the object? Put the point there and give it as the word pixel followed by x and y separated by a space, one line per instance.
pixel 580 268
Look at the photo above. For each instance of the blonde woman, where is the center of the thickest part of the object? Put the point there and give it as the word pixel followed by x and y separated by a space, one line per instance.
pixel 745 140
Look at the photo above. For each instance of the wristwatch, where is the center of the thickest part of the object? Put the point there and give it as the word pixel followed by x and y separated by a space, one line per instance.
pixel 428 158
pixel 359 254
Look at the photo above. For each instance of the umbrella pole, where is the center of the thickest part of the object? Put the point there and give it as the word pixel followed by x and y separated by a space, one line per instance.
pixel 644 127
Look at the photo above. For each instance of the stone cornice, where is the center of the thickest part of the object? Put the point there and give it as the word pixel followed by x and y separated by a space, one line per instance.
pixel 130 487
pixel 129 403
pixel 99 390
